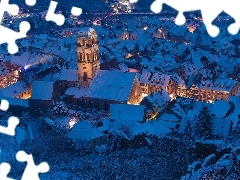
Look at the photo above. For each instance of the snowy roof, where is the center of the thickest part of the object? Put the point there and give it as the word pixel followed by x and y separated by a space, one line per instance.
pixel 176 78
pixel 219 84
pixel 112 85
pixel 22 59
pixel 220 108
pixel 154 78
pixel 84 131
pixel 18 102
pixel 127 112
pixel 159 98
pixel 189 68
pixel 77 93
pixel 178 30
pixel 221 126
pixel 68 75
pixel 15 89
pixel 169 117
pixel 151 128
pixel 42 90
pixel 205 40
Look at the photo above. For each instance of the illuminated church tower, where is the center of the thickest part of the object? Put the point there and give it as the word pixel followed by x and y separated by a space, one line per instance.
pixel 87 56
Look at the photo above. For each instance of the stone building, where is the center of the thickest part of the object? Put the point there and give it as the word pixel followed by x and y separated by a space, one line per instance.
pixel 87 56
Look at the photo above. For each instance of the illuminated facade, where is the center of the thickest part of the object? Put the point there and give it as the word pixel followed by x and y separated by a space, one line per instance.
pixel 87 56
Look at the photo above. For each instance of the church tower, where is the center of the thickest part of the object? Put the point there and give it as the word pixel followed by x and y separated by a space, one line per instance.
pixel 87 56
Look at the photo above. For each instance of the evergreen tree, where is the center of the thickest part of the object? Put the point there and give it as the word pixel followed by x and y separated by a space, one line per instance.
pixel 203 124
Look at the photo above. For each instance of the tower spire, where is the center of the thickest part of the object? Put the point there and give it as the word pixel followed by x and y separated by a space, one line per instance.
pixel 87 56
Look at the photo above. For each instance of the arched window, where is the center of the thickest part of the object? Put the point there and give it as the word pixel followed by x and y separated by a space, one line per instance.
pixel 83 56
pixel 85 76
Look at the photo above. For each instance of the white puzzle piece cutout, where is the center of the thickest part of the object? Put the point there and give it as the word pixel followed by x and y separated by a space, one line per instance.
pixel 4 105
pixel 12 124
pixel 31 171
pixel 4 170
pixel 59 19
pixel 7 35
pixel 209 9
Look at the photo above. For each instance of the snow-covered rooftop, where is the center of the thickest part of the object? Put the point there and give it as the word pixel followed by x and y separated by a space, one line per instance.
pixel 154 78
pixel 84 131
pixel 151 128
pixel 220 108
pixel 18 102
pixel 76 92
pixel 68 75
pixel 112 85
pixel 15 89
pixel 126 112
pixel 219 84
pixel 42 90
pixel 158 99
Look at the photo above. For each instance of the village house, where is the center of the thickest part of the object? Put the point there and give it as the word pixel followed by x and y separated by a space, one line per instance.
pixel 153 82
pixel 74 97
pixel 209 90
pixel 177 34
pixel 67 78
pixel 9 74
pixel 204 41
pixel 225 116
pixel 17 90
pixel 18 106
pixel 127 115
pixel 125 35
pixel 154 103
pixel 219 89
pixel 83 132
pixel 173 115
pixel 161 33
pixel 186 70
pixel 44 94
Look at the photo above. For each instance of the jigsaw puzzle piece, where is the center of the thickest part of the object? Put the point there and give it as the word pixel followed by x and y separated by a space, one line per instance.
pixel 59 19
pixel 12 124
pixel 31 169
pixel 4 170
pixel 30 2
pixel 4 105
pixel 180 6
pixel 76 11
pixel 210 10
pixel 12 9
pixel 9 36
pixel 231 8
